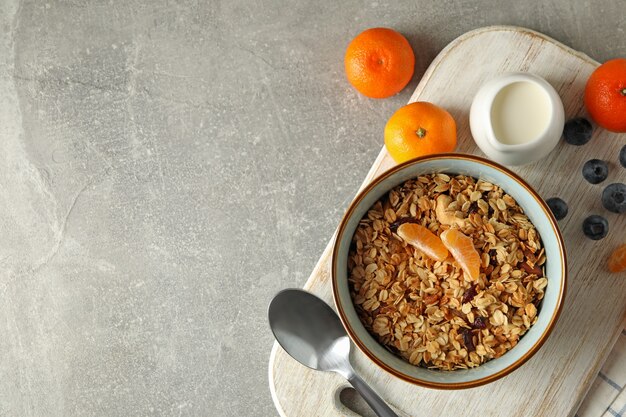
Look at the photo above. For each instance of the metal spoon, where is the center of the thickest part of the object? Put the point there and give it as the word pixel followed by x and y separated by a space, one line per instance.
pixel 310 331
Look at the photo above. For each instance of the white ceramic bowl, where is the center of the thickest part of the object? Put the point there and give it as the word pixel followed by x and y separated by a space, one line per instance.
pixel 539 214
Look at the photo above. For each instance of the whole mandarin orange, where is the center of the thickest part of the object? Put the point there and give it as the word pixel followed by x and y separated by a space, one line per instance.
pixel 605 95
pixel 379 62
pixel 419 129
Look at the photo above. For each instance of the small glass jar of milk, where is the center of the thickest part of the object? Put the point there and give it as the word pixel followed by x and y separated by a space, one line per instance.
pixel 516 118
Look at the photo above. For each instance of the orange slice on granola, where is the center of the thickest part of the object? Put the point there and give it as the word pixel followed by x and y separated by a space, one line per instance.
pixel 424 240
pixel 462 249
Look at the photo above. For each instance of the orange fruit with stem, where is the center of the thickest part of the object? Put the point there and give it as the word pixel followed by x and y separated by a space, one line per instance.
pixel 419 129
pixel 424 240
pixel 463 251
pixel 605 95
pixel 379 62
pixel 617 260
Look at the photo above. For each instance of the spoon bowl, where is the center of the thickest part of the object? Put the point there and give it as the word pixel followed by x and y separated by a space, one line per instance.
pixel 311 332
pixel 308 329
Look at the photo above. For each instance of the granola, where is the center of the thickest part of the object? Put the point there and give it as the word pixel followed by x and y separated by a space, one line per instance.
pixel 426 311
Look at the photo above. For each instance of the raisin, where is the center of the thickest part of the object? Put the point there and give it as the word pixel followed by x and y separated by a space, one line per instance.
pixel 394 226
pixel 469 295
pixel 480 323
pixel 468 340
pixel 493 260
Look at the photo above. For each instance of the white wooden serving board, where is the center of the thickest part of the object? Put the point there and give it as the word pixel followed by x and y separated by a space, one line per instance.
pixel 555 380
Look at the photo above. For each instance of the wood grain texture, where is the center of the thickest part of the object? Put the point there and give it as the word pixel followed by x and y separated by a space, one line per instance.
pixel 555 380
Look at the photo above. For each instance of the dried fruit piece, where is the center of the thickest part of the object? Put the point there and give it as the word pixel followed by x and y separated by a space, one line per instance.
pixel 617 260
pixel 424 240
pixel 394 226
pixel 462 249
pixel 469 295
pixel 468 340
pixel 480 322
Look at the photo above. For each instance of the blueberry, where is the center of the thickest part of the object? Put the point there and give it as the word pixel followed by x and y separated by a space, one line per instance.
pixel 577 131
pixel 595 171
pixel 595 227
pixel 558 207
pixel 622 156
pixel 614 198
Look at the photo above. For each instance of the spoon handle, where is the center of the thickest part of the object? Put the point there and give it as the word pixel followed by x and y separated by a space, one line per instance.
pixel 369 395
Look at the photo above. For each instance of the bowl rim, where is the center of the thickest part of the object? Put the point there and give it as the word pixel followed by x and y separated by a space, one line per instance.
pixel 453 385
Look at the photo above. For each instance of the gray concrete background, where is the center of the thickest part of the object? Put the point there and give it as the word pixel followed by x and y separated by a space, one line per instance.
pixel 166 167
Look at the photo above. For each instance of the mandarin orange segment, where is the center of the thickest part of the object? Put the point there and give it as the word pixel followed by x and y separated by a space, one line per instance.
pixel 424 240
pixel 617 260
pixel 462 249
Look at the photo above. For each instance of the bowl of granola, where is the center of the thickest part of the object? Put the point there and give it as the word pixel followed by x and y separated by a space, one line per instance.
pixel 449 271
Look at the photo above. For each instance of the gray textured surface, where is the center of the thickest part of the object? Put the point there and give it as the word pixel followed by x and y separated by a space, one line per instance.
pixel 166 167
